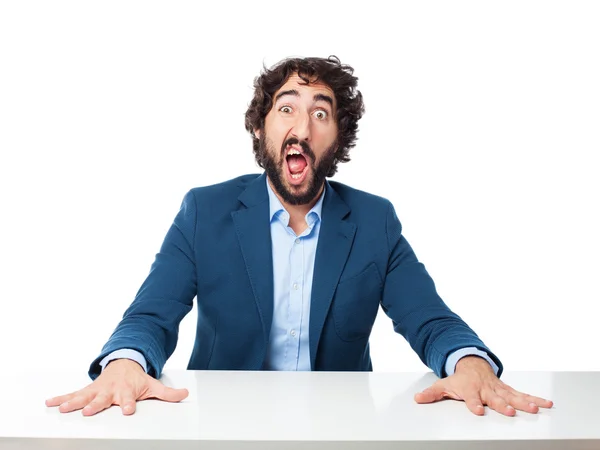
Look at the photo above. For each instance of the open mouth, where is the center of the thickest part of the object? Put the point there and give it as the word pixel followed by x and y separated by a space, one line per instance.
pixel 297 166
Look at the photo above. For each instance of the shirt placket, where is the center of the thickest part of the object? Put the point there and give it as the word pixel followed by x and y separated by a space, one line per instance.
pixel 295 302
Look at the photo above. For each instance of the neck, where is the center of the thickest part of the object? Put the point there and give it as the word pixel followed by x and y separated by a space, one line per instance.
pixel 297 212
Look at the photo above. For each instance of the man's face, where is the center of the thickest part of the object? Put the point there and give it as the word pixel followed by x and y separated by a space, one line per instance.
pixel 299 139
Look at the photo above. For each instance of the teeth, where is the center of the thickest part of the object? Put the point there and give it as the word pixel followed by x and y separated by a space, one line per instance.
pixel 296 176
pixel 293 151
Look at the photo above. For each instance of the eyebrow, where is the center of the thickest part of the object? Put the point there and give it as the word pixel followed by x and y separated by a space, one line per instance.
pixel 325 98
pixel 316 98
pixel 293 92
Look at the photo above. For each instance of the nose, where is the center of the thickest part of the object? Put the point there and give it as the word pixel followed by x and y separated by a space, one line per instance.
pixel 301 128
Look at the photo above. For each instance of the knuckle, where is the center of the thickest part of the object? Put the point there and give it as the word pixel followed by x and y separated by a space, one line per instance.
pixel 499 402
pixel 492 400
pixel 74 402
pixel 473 386
pixel 488 396
pixel 126 393
pixel 102 399
pixel 123 398
pixel 473 400
pixel 88 392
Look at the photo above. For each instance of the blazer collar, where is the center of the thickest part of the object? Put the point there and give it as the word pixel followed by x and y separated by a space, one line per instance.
pixel 256 193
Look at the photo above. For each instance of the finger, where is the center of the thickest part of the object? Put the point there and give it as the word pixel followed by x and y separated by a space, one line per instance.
pixel 431 394
pixel 127 404
pixel 517 400
pixel 537 401
pixel 541 402
pixel 77 402
pixel 55 401
pixel 100 403
pixel 497 403
pixel 474 403
pixel 162 392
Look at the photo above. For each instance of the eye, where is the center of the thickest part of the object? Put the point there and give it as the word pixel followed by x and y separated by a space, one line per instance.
pixel 320 114
pixel 285 109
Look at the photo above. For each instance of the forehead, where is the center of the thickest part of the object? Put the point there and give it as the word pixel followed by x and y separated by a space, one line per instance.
pixel 308 90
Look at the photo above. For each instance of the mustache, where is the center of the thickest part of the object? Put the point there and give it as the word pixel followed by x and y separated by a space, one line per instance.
pixel 305 147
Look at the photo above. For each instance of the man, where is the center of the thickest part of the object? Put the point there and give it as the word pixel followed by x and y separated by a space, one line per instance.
pixel 289 269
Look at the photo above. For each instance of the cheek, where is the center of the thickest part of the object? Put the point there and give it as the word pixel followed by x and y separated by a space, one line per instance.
pixel 274 135
pixel 323 141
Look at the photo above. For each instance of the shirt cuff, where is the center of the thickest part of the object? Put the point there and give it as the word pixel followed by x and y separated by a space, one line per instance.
pixel 125 353
pixel 467 351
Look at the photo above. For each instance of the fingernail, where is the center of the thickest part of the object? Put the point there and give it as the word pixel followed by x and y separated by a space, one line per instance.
pixel 64 405
pixel 480 406
pixel 533 405
pixel 510 407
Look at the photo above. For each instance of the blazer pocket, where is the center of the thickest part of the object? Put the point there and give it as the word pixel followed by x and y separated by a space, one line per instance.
pixel 355 304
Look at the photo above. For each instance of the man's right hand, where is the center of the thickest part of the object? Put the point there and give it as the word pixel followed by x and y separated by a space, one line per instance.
pixel 122 382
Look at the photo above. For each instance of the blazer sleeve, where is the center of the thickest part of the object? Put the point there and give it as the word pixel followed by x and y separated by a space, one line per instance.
pixel 150 324
pixel 417 311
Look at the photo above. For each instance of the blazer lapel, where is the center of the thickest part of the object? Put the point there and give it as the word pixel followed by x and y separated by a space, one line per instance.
pixel 253 230
pixel 335 241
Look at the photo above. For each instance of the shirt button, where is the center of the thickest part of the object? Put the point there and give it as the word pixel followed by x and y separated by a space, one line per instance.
pixel 297 241
pixel 293 333
pixel 295 287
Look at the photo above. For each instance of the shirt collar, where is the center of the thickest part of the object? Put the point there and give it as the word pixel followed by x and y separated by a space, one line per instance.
pixel 275 206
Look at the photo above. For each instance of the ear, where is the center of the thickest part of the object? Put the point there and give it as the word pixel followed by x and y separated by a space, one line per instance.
pixel 257 133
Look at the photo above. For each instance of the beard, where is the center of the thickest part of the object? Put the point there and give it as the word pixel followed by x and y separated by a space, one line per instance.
pixel 275 166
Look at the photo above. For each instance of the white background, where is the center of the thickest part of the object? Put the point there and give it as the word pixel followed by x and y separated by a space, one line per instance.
pixel 482 127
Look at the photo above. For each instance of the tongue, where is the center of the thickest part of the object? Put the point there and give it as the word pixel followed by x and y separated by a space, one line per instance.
pixel 296 163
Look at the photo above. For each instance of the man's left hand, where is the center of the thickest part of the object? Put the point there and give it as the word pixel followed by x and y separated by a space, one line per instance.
pixel 475 382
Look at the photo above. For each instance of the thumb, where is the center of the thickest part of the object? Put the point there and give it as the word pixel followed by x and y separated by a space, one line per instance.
pixel 431 394
pixel 162 392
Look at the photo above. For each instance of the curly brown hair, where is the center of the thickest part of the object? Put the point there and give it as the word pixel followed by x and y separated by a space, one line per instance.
pixel 339 77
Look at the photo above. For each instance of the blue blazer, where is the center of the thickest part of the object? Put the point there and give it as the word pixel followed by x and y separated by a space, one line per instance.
pixel 218 250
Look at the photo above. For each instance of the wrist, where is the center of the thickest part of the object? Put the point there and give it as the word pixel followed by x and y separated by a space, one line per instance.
pixel 124 362
pixel 473 362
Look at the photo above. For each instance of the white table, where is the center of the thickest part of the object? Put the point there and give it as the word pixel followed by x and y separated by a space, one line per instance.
pixel 301 410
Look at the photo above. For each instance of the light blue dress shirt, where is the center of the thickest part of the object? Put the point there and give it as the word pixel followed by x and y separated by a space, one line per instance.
pixel 293 265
